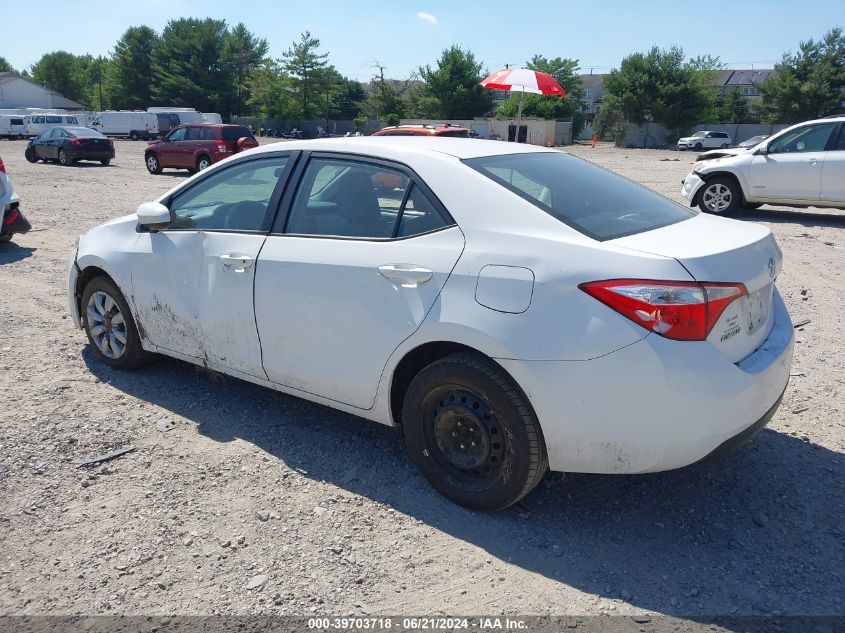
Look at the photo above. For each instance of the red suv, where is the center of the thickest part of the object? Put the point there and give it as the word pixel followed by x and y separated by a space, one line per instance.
pixel 194 147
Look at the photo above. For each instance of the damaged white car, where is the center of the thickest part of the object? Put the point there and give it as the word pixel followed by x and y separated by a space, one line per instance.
pixel 511 308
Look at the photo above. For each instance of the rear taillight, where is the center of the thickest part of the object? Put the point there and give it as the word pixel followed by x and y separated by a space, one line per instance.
pixel 222 148
pixel 680 310
pixel 2 166
pixel 12 217
pixel 74 141
pixel 111 142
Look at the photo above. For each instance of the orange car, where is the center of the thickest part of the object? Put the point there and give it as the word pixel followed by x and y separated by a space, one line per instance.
pixel 445 129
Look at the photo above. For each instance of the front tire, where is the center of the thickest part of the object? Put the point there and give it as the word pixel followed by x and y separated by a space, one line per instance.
pixel 30 155
pixel 472 433
pixel 720 196
pixel 698 147
pixel 109 325
pixel 153 164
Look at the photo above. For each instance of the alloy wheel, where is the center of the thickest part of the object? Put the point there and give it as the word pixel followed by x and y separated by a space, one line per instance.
pixel 106 324
pixel 717 198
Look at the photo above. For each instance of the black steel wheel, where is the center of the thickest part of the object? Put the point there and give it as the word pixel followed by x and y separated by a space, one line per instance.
pixel 472 433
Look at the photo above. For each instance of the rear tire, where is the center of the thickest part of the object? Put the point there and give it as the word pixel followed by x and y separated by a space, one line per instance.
pixel 153 164
pixel 724 146
pixel 133 135
pixel 203 162
pixel 472 433
pixel 105 162
pixel 107 319
pixel 64 159
pixel 720 196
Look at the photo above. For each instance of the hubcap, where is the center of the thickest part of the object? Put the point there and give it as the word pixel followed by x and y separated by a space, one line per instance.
pixel 203 164
pixel 106 324
pixel 152 163
pixel 467 436
pixel 717 197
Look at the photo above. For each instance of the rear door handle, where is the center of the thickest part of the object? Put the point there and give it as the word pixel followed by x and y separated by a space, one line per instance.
pixel 813 161
pixel 409 275
pixel 238 263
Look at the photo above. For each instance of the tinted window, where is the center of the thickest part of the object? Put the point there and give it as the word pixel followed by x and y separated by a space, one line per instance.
pixel 71 120
pixel 194 134
pixel 38 119
pixel 455 133
pixel 595 201
pixel 234 133
pixel 85 132
pixel 177 135
pixel 810 138
pixel 207 134
pixel 16 121
pixel 233 199
pixel 841 144
pixel 54 119
pixel 419 215
pixel 347 198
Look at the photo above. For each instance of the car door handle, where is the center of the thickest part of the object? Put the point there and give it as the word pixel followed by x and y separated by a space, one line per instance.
pixel 238 263
pixel 813 161
pixel 409 275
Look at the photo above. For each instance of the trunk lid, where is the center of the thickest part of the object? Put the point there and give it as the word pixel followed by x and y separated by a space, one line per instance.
pixel 721 250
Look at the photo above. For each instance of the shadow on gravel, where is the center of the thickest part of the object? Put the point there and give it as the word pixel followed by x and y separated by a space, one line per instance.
pixel 756 532
pixel 11 252
pixel 831 217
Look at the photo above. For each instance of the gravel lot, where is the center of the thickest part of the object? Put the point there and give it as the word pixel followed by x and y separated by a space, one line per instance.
pixel 256 502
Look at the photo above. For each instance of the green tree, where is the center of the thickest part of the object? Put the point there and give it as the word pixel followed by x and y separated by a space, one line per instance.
pixel 271 92
pixel 5 66
pixel 62 72
pixel 807 84
pixel 452 88
pixel 350 97
pixel 565 72
pixel 384 99
pixel 303 62
pixel 658 86
pixel 731 107
pixel 242 53
pixel 129 74
pixel 187 67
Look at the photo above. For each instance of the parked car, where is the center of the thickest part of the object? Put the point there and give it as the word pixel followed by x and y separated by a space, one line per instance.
pixel 513 308
pixel 67 145
pixel 129 124
pixel 196 147
pixel 444 129
pixel 704 140
pixel 12 126
pixel 803 165
pixel 754 140
pixel 13 220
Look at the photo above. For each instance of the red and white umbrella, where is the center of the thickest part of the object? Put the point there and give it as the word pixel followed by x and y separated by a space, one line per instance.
pixel 523 80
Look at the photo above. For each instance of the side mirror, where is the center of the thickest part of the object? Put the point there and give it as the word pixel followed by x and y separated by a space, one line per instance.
pixel 762 149
pixel 153 215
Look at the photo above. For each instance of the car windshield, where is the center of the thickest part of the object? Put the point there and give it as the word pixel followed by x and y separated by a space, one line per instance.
pixel 84 132
pixel 591 199
pixel 699 135
pixel 236 132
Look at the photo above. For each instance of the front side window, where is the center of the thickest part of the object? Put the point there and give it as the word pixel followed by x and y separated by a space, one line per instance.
pixel 178 135
pixel 810 138
pixel 235 198
pixel 592 200
pixel 347 198
pixel 38 119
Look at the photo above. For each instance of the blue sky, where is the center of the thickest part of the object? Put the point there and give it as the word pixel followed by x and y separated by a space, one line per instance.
pixel 403 35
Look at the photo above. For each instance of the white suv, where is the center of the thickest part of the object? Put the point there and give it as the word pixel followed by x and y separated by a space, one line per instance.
pixel 705 140
pixel 803 165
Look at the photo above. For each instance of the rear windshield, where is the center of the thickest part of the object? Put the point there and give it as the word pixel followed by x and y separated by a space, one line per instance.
pixel 234 133
pixel 84 132
pixel 593 200
pixel 455 133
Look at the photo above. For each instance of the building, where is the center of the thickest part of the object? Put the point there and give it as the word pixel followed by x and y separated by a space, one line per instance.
pixel 18 93
pixel 744 80
pixel 593 86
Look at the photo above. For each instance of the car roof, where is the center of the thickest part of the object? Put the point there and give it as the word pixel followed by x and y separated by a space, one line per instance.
pixel 212 125
pixel 395 147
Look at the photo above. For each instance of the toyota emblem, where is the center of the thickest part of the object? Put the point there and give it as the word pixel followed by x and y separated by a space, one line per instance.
pixel 772 267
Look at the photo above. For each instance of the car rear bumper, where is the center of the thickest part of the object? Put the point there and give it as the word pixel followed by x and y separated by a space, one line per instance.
pixel 656 404
pixel 90 154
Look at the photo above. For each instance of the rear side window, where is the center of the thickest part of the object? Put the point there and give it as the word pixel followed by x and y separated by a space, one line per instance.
pixel 54 119
pixel 194 134
pixel 16 121
pixel 592 200
pixel 234 133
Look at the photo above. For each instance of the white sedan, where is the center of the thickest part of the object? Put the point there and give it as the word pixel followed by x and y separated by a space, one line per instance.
pixel 511 308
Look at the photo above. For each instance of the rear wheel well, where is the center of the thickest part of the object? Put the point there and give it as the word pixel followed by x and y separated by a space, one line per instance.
pixel 718 174
pixel 413 362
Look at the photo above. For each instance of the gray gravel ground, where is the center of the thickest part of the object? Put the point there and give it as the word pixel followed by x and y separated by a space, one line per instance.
pixel 260 503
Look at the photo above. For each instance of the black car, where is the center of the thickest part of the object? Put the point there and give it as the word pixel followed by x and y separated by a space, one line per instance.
pixel 70 144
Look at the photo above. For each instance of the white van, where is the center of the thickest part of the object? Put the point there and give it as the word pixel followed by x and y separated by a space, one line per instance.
pixel 127 124
pixel 169 118
pixel 12 126
pixel 212 117
pixel 35 124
